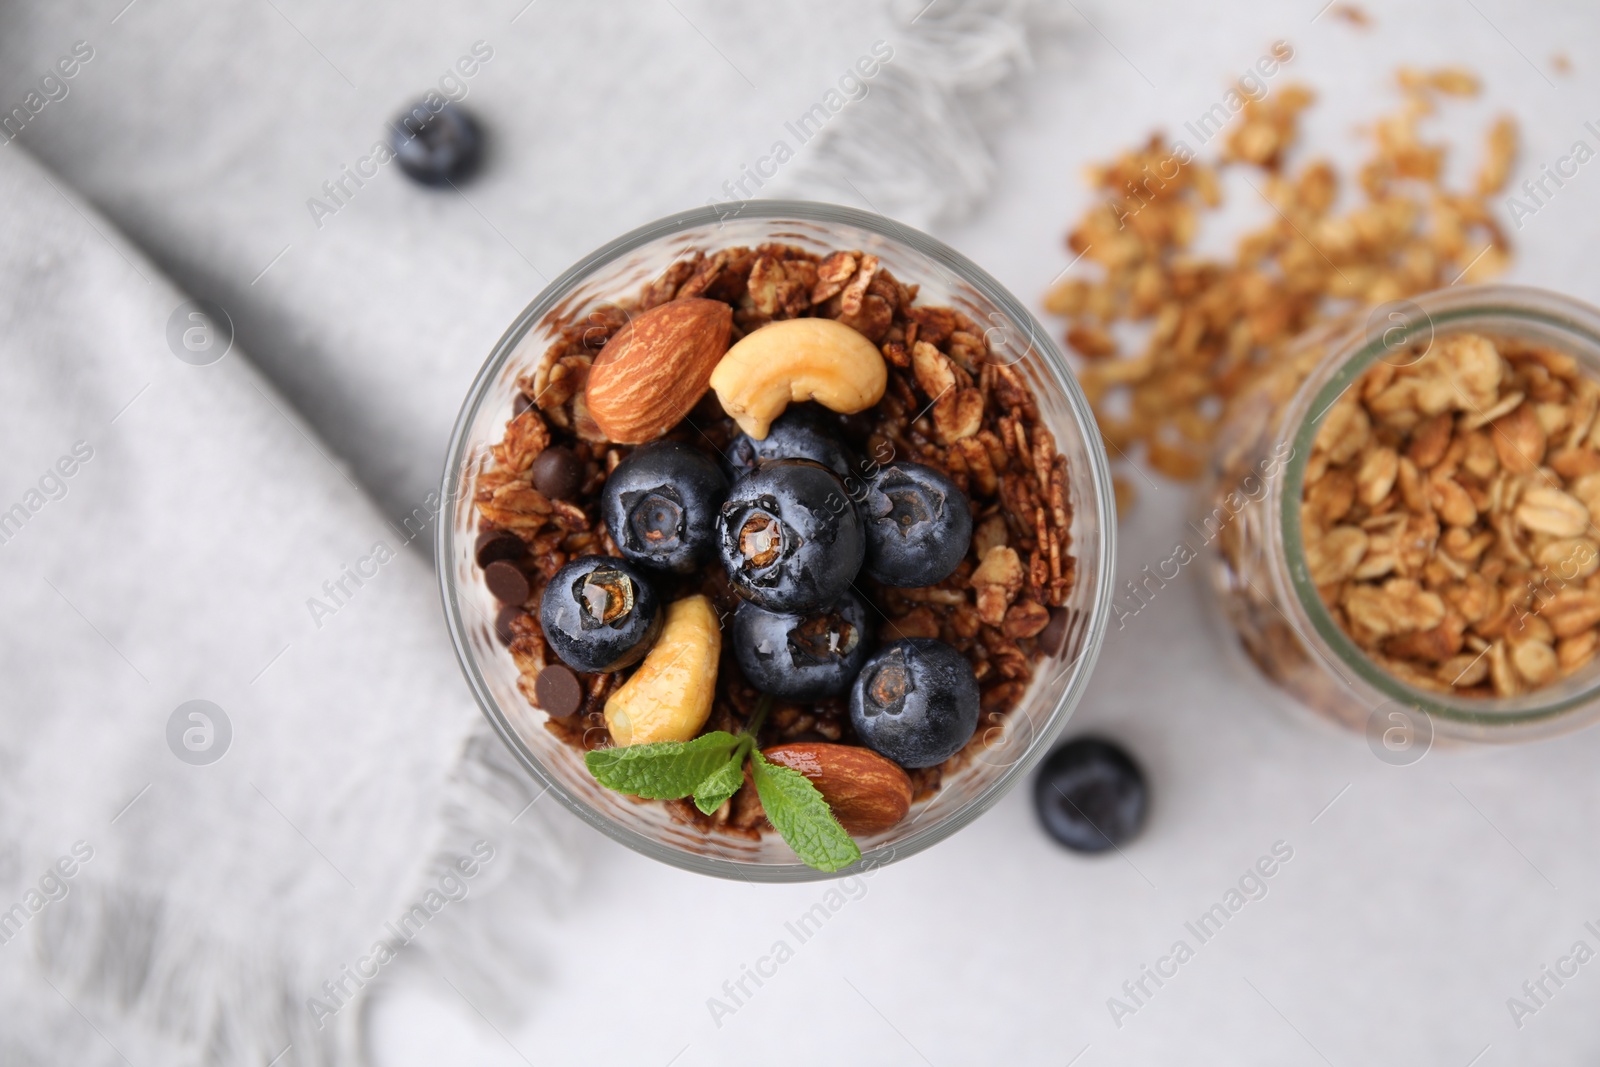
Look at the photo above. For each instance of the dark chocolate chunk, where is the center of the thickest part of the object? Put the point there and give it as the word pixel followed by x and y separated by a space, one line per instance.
pixel 496 545
pixel 507 582
pixel 558 691
pixel 503 620
pixel 557 472
pixel 520 403
pixel 1054 633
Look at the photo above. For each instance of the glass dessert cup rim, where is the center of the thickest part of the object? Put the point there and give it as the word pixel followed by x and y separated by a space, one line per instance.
pixel 1556 709
pixel 1055 707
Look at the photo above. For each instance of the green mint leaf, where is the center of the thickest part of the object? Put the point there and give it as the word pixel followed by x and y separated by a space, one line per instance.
pixel 721 784
pixel 799 813
pixel 665 770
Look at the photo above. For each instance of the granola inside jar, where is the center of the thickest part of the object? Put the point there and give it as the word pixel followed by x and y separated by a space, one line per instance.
pixel 1006 747
pixel 1398 521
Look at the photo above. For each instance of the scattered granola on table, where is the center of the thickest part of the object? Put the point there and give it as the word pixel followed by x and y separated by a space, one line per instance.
pixel 1208 326
pixel 1450 512
pixel 909 387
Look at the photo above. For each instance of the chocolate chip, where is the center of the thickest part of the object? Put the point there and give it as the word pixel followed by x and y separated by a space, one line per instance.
pixel 1055 631
pixel 496 545
pixel 520 403
pixel 558 691
pixel 503 620
pixel 506 581
pixel 557 472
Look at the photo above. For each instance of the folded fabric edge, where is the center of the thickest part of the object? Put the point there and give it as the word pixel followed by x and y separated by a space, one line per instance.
pixel 130 972
pixel 912 145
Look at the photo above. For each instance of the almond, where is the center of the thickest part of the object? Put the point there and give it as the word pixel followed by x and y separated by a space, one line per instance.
pixel 656 368
pixel 866 792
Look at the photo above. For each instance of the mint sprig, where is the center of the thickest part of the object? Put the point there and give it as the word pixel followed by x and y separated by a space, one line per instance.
pixel 802 816
pixel 711 769
pixel 720 784
pixel 665 770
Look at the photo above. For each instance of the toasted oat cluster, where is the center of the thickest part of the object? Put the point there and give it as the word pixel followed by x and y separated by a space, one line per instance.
pixel 946 405
pixel 1449 515
pixel 1207 325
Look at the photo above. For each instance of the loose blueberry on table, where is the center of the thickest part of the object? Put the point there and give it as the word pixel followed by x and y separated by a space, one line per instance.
pixel 693 461
pixel 1091 795
pixel 436 147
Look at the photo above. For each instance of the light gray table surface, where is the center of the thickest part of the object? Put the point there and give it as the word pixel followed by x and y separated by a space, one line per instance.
pixel 1417 900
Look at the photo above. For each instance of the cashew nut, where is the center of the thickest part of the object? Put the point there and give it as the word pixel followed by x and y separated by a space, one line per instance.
pixel 793 360
pixel 669 696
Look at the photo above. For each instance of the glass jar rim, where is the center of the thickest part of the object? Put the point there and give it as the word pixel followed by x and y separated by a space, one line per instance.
pixel 1570 323
pixel 1099 491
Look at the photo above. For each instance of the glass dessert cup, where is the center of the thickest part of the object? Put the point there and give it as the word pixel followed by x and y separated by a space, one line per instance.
pixel 1250 515
pixel 616 272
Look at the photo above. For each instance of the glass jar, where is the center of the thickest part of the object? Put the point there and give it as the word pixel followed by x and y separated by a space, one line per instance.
pixel 617 272
pixel 1250 520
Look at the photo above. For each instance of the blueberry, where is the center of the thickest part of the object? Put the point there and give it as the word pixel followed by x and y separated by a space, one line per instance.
pixel 799 433
pixel 599 615
pixel 789 536
pixel 436 147
pixel 660 505
pixel 918 525
pixel 802 657
pixel 916 702
pixel 1090 795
